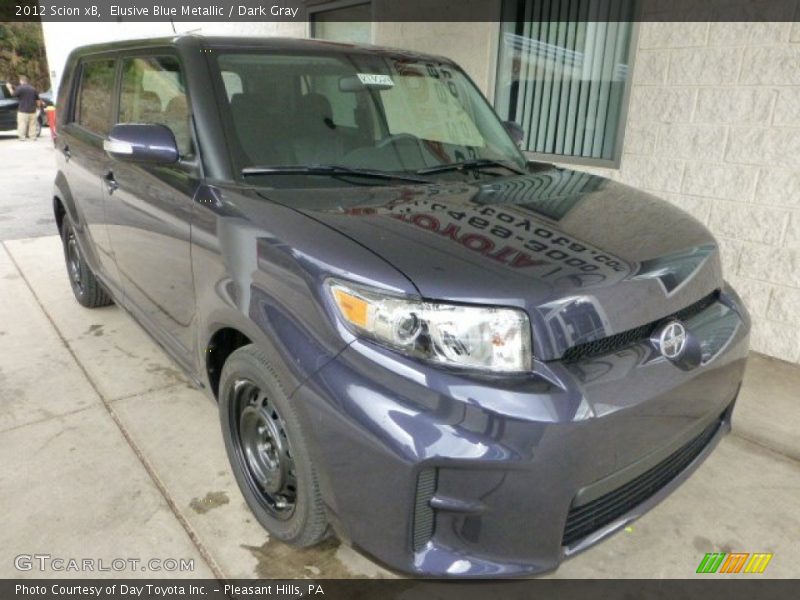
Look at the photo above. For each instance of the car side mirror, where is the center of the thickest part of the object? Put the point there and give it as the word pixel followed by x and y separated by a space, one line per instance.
pixel 142 143
pixel 515 131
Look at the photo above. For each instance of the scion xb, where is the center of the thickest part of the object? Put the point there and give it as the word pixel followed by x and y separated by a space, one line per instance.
pixel 462 362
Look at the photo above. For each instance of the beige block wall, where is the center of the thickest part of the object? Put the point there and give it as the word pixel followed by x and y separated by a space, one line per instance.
pixel 714 127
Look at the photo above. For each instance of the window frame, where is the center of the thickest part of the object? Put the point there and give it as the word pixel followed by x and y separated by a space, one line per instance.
pixel 323 7
pixel 616 158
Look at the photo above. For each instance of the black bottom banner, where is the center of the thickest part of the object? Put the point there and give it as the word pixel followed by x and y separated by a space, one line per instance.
pixel 401 589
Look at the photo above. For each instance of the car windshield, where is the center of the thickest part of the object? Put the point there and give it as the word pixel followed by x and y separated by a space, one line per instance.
pixel 360 111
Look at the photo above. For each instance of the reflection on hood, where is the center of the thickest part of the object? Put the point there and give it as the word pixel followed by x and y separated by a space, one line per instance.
pixel 551 193
pixel 672 270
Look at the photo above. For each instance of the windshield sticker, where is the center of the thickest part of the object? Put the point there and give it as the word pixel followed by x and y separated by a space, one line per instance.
pixel 375 79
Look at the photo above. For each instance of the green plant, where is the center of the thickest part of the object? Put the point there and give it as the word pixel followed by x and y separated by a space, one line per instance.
pixel 22 53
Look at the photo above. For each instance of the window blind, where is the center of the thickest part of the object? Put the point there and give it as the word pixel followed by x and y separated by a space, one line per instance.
pixel 562 73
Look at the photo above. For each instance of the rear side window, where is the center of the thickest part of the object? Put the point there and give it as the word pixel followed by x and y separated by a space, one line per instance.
pixel 93 109
pixel 153 91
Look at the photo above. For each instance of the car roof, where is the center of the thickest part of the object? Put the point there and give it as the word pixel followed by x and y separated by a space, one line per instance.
pixel 261 43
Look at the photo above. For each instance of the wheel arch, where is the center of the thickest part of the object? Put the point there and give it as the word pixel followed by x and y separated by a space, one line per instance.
pixel 63 202
pixel 226 330
pixel 222 343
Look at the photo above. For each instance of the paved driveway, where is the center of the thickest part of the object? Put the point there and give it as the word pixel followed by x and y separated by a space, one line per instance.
pixel 107 451
pixel 27 170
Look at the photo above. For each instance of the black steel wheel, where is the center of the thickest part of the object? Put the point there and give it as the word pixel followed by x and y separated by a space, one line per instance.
pixel 262 446
pixel 85 286
pixel 267 450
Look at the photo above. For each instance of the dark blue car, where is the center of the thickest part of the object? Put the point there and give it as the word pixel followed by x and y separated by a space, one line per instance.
pixel 464 363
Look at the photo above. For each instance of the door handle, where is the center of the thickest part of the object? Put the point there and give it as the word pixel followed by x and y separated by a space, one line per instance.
pixel 111 183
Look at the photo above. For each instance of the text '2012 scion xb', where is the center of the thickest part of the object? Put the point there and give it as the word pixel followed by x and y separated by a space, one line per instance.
pixel 464 363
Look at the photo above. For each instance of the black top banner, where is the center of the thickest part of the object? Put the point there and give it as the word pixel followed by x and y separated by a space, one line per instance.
pixel 394 10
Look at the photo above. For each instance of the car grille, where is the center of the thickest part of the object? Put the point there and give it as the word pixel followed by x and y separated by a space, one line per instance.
pixel 618 341
pixel 587 518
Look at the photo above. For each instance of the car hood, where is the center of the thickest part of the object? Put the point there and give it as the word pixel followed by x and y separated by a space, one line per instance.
pixel 585 257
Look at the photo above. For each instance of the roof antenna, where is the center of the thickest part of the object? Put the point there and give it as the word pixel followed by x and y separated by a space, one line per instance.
pixel 171 22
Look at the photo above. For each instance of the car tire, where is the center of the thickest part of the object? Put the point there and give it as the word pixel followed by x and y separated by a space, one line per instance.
pixel 87 289
pixel 267 450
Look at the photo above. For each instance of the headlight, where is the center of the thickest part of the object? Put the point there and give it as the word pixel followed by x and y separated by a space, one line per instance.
pixel 493 339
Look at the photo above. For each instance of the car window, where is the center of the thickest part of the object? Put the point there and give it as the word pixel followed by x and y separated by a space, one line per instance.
pixel 428 101
pixel 93 108
pixel 343 105
pixel 359 111
pixel 153 91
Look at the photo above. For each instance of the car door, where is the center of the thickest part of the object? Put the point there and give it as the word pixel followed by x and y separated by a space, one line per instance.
pixel 84 162
pixel 149 207
pixel 8 109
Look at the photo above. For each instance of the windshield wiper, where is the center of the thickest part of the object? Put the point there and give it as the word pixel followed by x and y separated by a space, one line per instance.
pixel 468 165
pixel 328 170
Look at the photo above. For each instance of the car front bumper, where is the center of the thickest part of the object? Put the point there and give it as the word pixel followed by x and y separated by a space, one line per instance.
pixel 436 473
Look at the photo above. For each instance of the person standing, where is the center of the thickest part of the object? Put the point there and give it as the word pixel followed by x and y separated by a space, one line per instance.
pixel 26 112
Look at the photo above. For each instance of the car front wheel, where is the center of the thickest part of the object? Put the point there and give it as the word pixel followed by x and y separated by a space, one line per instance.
pixel 267 450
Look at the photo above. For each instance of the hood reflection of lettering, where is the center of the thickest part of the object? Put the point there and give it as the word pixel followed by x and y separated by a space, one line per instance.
pixel 511 236
pixel 501 221
pixel 551 193
pixel 674 270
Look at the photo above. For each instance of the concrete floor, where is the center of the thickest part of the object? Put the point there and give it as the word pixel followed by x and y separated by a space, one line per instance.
pixel 27 170
pixel 107 451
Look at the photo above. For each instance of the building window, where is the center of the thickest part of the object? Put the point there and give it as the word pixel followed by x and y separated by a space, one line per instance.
pixel 346 21
pixel 564 75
